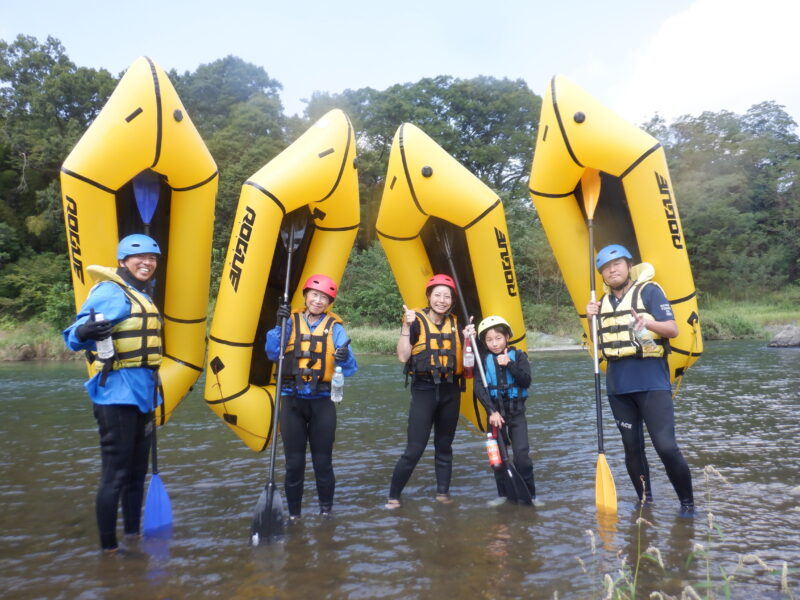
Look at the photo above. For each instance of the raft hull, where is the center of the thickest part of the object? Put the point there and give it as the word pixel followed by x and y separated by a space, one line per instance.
pixel 637 206
pixel 144 126
pixel 315 178
pixel 429 194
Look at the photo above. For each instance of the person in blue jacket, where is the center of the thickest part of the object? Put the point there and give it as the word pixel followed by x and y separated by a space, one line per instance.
pixel 308 415
pixel 124 388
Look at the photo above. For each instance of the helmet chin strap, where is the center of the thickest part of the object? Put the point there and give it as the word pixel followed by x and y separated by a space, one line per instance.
pixel 621 287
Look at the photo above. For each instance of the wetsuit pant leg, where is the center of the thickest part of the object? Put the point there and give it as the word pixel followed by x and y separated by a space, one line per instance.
pixel 133 493
pixel 444 431
pixel 295 416
pixel 659 417
pixel 321 435
pixel 518 431
pixel 119 426
pixel 420 422
pixel 625 409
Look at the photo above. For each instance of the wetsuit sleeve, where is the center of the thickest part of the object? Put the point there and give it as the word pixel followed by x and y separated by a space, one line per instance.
pixel 349 365
pixel 657 304
pixel 520 369
pixel 483 395
pixel 413 333
pixel 106 298
pixel 273 340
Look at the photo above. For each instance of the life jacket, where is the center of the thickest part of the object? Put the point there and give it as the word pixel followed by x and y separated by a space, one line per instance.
pixel 311 361
pixel 504 386
pixel 137 338
pixel 616 338
pixel 437 354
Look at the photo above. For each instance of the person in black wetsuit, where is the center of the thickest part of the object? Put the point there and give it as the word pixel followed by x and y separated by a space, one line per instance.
pixel 431 346
pixel 637 377
pixel 508 376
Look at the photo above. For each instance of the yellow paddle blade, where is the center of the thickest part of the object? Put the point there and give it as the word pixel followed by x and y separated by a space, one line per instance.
pixel 604 488
pixel 590 187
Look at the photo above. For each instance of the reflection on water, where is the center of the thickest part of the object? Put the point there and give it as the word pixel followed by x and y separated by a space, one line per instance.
pixel 737 411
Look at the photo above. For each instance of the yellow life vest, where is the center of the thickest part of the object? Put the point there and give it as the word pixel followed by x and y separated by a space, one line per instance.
pixel 616 339
pixel 136 339
pixel 437 352
pixel 312 360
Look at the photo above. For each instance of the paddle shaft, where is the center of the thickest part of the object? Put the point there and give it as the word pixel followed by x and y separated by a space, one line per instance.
pixel 597 394
pixel 154 449
pixel 279 380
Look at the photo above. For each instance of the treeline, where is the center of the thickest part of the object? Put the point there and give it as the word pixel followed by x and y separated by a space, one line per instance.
pixel 736 177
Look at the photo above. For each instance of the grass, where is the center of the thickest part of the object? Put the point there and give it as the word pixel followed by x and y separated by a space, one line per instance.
pixel 717 582
pixel 31 340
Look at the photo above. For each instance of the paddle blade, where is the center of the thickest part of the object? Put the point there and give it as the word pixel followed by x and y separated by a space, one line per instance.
pixel 157 508
pixel 516 490
pixel 604 488
pixel 590 188
pixel 146 189
pixel 268 516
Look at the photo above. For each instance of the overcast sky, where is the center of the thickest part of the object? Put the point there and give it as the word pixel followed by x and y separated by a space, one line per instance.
pixel 640 57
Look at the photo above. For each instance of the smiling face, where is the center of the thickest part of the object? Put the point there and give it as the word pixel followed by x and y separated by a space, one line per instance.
pixel 496 340
pixel 441 299
pixel 141 266
pixel 616 272
pixel 316 302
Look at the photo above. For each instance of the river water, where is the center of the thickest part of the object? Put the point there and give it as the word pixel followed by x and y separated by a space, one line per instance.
pixel 738 426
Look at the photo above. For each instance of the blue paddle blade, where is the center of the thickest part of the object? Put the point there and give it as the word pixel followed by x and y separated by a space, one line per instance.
pixel 146 189
pixel 157 508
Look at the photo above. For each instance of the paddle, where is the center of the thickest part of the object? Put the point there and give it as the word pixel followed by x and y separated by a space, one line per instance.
pixel 516 490
pixel 268 513
pixel 146 189
pixel 604 488
pixel 157 507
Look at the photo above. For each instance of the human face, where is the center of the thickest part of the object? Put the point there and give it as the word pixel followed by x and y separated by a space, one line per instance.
pixel 317 302
pixel 615 273
pixel 495 340
pixel 141 266
pixel 441 299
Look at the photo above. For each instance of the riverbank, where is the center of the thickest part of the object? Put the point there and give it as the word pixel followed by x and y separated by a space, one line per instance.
pixel 721 320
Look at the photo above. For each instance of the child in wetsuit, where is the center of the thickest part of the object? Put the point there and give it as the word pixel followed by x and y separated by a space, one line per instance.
pixel 508 377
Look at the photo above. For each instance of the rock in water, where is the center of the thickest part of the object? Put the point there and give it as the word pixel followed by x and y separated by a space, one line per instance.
pixel 787 337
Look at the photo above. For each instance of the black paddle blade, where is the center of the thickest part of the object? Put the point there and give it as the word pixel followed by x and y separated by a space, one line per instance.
pixel 268 516
pixel 516 490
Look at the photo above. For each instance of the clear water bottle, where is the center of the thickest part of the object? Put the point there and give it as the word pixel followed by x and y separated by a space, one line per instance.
pixel 469 359
pixel 643 336
pixel 105 347
pixel 337 385
pixel 493 451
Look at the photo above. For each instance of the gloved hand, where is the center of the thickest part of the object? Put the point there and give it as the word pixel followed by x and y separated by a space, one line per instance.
pixel 93 330
pixel 284 312
pixel 340 355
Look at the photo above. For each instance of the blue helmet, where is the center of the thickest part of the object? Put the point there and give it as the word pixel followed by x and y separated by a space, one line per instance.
pixel 137 243
pixel 610 253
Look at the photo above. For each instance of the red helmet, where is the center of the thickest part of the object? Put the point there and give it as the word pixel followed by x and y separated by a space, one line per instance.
pixel 321 283
pixel 440 279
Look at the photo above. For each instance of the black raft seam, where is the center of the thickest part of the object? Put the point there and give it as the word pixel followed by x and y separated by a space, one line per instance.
pixel 483 214
pixel 157 90
pixel 543 195
pixel 268 194
pixel 87 180
pixel 639 160
pixel 197 185
pixel 185 321
pixel 184 363
pixel 684 299
pixel 344 162
pixel 229 343
pixel 561 124
pixel 395 237
pixel 408 175
pixel 348 228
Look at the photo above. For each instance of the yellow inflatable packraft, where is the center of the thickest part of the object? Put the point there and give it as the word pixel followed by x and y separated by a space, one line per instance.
pixel 144 128
pixel 636 208
pixel 317 177
pixel 427 195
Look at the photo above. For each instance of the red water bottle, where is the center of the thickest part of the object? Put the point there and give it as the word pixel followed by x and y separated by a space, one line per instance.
pixel 493 451
pixel 469 359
